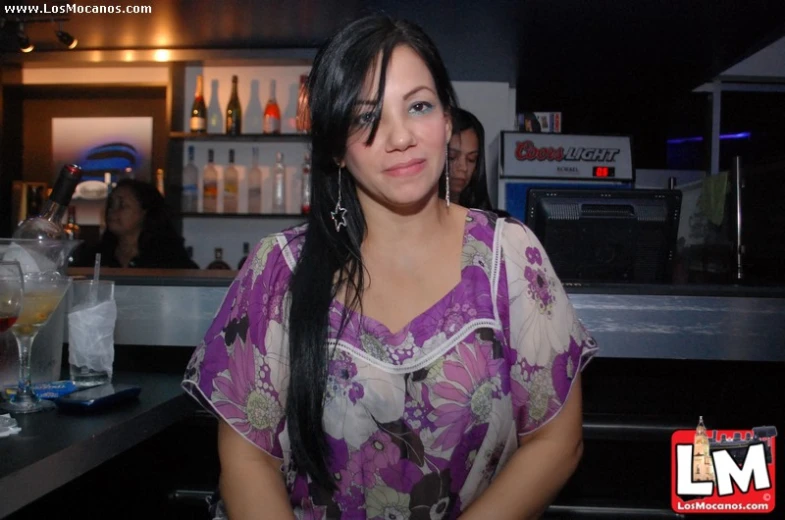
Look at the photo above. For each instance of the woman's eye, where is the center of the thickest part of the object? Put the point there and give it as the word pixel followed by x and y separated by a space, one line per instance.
pixel 421 107
pixel 365 119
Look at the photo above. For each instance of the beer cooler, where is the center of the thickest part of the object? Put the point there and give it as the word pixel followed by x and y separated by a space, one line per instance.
pixel 560 161
pixel 576 193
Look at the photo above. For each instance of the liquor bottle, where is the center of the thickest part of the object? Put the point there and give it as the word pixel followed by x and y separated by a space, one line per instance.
pixel 218 262
pixel 159 181
pixel 199 108
pixel 34 201
pixel 255 184
pixel 306 185
pixel 234 112
pixel 190 252
pixel 231 186
pixel 303 119
pixel 246 250
pixel 210 190
pixel 190 195
pixel 71 228
pixel 279 185
pixel 272 113
pixel 49 223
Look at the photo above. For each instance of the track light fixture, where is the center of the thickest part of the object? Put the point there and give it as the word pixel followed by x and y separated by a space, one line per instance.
pixel 65 38
pixel 23 40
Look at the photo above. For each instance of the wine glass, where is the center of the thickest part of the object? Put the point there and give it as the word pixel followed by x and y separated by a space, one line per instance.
pixel 11 290
pixel 42 293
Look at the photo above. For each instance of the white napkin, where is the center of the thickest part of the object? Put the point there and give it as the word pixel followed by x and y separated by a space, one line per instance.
pixel 91 336
pixel 8 426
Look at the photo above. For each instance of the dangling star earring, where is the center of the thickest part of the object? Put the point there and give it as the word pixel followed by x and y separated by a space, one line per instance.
pixel 339 213
pixel 447 173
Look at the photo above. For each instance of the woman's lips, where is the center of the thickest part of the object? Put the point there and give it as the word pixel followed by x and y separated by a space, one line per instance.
pixel 406 169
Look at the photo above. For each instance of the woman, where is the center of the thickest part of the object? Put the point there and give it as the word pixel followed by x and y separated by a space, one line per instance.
pixel 398 356
pixel 139 232
pixel 468 181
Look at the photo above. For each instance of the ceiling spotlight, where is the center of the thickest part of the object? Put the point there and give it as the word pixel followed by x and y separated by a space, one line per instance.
pixel 66 39
pixel 24 41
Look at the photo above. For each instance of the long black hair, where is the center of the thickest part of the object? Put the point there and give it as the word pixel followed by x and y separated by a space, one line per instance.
pixel 159 245
pixel 475 193
pixel 331 260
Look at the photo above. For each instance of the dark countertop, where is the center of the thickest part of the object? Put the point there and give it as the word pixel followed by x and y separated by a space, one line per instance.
pixel 54 448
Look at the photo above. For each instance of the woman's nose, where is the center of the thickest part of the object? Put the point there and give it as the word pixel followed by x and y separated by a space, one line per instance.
pixel 399 135
pixel 459 165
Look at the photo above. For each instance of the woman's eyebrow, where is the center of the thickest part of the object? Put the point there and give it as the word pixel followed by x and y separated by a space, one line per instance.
pixel 416 90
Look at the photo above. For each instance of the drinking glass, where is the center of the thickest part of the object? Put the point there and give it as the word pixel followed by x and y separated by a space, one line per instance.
pixel 11 290
pixel 41 295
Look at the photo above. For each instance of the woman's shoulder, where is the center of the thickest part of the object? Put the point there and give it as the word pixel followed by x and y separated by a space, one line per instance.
pixel 507 234
pixel 281 249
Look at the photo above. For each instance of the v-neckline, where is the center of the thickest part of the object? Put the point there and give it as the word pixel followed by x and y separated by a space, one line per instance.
pixel 378 325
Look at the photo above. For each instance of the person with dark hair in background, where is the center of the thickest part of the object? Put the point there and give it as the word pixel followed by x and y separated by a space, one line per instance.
pixel 139 231
pixel 398 356
pixel 468 180
pixel 530 123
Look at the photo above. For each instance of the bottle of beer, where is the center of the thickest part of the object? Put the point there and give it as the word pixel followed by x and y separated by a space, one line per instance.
pixel 218 262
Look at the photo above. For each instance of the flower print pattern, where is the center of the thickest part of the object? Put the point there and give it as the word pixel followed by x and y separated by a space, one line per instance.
pixel 472 383
pixel 407 441
pixel 534 256
pixel 246 396
pixel 476 253
pixel 342 372
pixel 378 452
pixel 464 455
pixel 192 370
pixel 539 289
pixel 385 503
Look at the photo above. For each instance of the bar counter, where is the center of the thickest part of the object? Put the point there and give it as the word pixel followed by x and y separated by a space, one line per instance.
pixel 668 355
pixel 691 322
pixel 56 447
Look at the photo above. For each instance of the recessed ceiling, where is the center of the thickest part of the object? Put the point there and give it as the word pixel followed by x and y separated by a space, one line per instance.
pixel 545 46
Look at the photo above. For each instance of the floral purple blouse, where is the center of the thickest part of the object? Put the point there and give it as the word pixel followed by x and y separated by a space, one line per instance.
pixel 419 420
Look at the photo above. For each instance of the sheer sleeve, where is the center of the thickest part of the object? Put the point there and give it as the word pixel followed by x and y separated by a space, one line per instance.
pixel 549 345
pixel 240 371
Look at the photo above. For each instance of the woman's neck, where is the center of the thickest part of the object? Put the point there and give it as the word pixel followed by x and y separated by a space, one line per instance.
pixel 387 229
pixel 128 242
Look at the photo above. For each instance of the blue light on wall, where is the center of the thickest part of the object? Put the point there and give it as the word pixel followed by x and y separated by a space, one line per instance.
pixel 740 135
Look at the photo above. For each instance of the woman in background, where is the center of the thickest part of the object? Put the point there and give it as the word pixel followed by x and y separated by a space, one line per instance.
pixel 468 180
pixel 139 231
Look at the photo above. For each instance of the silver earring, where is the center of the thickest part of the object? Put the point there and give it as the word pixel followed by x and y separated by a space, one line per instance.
pixel 339 213
pixel 447 173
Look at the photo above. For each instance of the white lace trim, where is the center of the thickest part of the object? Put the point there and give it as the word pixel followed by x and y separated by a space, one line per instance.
pixel 423 361
pixel 495 273
pixel 286 251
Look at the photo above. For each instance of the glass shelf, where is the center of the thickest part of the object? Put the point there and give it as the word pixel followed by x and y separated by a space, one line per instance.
pixel 187 136
pixel 271 216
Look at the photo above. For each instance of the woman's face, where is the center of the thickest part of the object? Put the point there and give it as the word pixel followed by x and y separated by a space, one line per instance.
pixel 124 215
pixel 464 150
pixel 401 167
